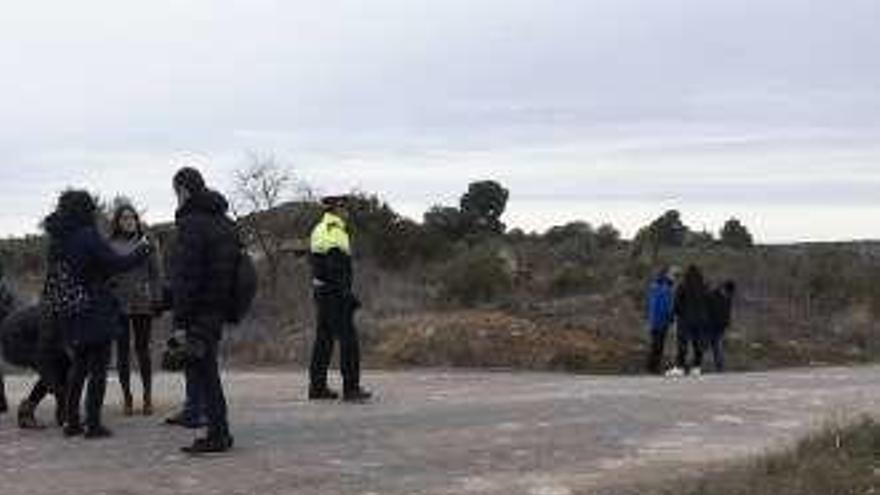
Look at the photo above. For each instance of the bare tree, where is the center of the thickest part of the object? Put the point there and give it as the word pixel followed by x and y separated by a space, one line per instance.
pixel 261 186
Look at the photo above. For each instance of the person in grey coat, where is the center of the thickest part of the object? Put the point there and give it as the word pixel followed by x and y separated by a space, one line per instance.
pixel 138 291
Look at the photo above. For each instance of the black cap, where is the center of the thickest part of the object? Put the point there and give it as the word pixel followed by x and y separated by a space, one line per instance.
pixel 189 179
pixel 334 201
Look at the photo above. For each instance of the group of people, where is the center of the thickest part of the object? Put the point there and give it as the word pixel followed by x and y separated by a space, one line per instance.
pixel 700 314
pixel 105 288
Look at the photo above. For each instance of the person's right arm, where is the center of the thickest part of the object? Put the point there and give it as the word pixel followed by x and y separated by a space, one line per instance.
pixel 108 258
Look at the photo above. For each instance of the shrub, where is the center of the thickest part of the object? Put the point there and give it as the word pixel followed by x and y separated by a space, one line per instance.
pixel 478 275
pixel 574 280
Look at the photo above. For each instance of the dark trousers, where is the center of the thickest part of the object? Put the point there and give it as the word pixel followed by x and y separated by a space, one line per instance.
pixel 716 344
pixel 141 326
pixel 89 363
pixel 4 405
pixel 335 320
pixel 203 374
pixel 655 354
pixel 690 337
pixel 194 404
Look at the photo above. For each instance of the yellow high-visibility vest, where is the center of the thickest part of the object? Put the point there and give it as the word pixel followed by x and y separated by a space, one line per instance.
pixel 330 233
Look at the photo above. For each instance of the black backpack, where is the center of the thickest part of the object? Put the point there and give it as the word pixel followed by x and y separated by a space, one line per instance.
pixel 244 287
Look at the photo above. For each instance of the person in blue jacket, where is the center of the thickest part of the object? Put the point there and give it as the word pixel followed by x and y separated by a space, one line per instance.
pixel 661 299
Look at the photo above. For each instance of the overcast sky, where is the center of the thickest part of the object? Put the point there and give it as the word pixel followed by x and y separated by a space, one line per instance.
pixel 602 110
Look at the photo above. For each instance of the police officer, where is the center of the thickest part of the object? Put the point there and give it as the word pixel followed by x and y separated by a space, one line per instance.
pixel 336 305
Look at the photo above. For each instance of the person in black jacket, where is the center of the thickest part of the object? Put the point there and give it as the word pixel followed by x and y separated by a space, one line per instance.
pixel 7 306
pixel 692 315
pixel 336 305
pixel 204 268
pixel 77 250
pixel 720 310
pixel 31 341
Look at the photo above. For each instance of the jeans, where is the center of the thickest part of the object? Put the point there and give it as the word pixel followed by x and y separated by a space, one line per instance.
pixel 203 375
pixel 716 344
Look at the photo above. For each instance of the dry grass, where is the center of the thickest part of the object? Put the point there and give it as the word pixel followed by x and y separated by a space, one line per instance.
pixel 494 339
pixel 837 461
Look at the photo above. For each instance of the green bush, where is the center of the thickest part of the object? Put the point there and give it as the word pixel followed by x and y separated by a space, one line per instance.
pixel 476 276
pixel 574 280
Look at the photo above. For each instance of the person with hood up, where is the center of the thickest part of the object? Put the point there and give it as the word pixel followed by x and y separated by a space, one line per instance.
pixel 660 317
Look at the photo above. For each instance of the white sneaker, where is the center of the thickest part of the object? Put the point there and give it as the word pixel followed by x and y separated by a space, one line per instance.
pixel 696 372
pixel 675 373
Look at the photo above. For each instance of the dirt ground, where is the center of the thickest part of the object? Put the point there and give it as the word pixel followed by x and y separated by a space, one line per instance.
pixel 438 432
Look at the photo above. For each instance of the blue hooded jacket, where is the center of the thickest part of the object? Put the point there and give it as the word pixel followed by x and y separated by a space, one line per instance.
pixel 661 299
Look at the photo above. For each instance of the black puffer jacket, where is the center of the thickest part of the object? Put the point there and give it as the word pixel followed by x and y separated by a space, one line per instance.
pixel 720 310
pixel 692 307
pixel 204 260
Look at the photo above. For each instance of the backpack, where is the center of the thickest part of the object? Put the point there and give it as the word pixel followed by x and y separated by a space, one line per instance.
pixel 64 294
pixel 244 287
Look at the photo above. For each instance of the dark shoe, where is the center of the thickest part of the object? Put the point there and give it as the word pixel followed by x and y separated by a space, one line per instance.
pixel 98 432
pixel 358 395
pixel 26 419
pixel 73 430
pixel 323 394
pixel 181 419
pixel 175 420
pixel 59 416
pixel 148 407
pixel 128 407
pixel 210 445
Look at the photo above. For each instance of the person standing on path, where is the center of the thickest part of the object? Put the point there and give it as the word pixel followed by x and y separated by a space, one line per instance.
pixel 660 317
pixel 80 262
pixel 692 314
pixel 331 260
pixel 138 292
pixel 204 266
pixel 720 313
pixel 7 306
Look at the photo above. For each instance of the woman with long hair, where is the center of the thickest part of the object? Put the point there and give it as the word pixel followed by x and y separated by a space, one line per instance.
pixel 138 292
pixel 80 262
pixel 692 314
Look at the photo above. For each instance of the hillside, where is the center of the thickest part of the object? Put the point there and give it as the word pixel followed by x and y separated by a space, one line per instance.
pixel 569 299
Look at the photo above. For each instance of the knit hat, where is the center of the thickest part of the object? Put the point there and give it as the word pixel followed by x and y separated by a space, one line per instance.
pixel 189 179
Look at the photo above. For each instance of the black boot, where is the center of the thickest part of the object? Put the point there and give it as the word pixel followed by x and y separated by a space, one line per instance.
pixel 213 444
pixel 357 395
pixel 73 430
pixel 26 418
pixel 97 432
pixel 322 393
pixel 128 405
